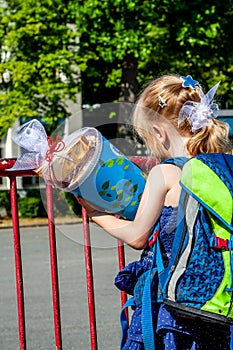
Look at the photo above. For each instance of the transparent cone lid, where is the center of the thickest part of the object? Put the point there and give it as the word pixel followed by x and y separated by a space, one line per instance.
pixel 69 168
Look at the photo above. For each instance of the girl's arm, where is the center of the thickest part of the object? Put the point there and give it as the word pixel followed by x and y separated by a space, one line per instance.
pixel 135 233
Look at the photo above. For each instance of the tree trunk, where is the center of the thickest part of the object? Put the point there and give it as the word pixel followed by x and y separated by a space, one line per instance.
pixel 125 141
pixel 129 79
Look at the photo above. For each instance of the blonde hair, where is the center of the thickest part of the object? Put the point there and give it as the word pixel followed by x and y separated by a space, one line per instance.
pixel 213 138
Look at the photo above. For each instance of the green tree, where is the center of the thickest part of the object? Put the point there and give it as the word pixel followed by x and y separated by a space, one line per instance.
pixel 130 42
pixel 200 40
pixel 122 37
pixel 122 45
pixel 38 70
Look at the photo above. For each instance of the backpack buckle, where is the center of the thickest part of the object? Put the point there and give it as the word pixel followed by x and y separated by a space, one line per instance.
pixel 152 239
pixel 220 243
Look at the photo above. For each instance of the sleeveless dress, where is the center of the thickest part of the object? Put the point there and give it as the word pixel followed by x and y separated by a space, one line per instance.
pixel 171 332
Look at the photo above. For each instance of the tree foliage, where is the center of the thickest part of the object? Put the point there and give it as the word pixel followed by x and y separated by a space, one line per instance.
pixel 122 45
pixel 123 36
pixel 38 71
pixel 155 37
pixel 201 33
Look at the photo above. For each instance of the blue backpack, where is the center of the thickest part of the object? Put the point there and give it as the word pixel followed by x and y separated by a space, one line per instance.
pixel 198 281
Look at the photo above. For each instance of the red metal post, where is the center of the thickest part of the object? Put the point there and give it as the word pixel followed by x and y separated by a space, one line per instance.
pixel 18 264
pixel 89 280
pixel 54 269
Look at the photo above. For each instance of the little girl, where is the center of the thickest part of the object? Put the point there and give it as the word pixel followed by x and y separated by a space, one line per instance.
pixel 175 119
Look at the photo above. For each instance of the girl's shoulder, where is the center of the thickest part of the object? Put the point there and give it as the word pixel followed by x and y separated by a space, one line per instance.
pixel 164 167
pixel 167 173
pixel 168 167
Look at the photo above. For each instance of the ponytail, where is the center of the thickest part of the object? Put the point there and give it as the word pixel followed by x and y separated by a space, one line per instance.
pixel 212 138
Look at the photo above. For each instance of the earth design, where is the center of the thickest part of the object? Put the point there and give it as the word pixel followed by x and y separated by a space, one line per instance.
pixel 120 183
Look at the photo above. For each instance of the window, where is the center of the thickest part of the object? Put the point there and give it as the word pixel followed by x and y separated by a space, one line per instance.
pixel 30 181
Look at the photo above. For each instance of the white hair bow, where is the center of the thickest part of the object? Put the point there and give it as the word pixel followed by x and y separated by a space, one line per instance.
pixel 199 113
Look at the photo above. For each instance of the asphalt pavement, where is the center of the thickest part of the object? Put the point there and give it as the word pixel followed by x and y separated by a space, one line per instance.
pixel 73 292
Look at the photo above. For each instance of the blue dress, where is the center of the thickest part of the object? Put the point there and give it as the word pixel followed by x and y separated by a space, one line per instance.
pixel 171 332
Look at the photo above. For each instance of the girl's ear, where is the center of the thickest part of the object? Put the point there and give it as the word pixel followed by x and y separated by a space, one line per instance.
pixel 161 135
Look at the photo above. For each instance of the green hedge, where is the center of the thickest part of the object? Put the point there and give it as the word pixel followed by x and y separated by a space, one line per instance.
pixel 34 204
pixel 5 201
pixel 74 206
pixel 31 207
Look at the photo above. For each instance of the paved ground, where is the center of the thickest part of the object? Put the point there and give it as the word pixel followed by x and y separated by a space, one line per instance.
pixel 73 297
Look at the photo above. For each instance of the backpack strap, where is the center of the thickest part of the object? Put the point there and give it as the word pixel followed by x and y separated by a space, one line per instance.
pixel 157 263
pixel 178 161
pixel 147 317
pixel 124 321
pixel 190 211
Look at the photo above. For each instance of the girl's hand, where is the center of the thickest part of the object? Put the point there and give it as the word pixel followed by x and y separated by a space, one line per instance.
pixel 91 211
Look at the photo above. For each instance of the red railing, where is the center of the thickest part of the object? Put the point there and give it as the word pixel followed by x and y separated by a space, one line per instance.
pixel 18 260
pixel 12 175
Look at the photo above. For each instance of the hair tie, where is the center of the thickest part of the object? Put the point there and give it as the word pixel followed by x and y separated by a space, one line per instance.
pixel 199 114
pixel 188 81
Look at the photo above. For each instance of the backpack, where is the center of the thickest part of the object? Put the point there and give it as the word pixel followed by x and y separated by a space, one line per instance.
pixel 197 282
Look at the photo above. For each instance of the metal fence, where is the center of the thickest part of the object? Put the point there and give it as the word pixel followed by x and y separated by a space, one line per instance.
pixel 12 175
